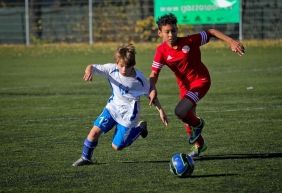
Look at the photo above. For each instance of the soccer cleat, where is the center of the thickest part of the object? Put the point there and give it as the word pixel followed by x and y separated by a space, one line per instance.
pixel 82 162
pixel 143 127
pixel 196 132
pixel 196 150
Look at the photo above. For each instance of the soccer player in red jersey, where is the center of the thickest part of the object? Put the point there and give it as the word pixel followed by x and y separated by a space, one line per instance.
pixel 183 56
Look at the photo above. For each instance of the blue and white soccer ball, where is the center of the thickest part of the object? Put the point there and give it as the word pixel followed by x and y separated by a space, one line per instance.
pixel 181 165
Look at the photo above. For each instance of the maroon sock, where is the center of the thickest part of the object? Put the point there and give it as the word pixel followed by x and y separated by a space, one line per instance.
pixel 192 119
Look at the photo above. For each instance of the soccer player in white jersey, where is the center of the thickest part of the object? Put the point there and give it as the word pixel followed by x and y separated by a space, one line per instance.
pixel 183 56
pixel 123 108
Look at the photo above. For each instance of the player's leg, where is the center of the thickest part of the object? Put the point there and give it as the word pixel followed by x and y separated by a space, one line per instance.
pixel 199 146
pixel 185 109
pixel 187 104
pixel 102 124
pixel 89 145
pixel 124 136
pixel 91 142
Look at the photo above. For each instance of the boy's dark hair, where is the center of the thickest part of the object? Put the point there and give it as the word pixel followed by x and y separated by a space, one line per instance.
pixel 166 19
pixel 126 53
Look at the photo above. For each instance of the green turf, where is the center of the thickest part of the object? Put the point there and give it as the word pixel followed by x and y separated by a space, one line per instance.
pixel 46 112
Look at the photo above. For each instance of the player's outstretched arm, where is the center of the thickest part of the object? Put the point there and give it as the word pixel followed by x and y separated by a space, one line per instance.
pixel 235 46
pixel 153 90
pixel 163 116
pixel 88 74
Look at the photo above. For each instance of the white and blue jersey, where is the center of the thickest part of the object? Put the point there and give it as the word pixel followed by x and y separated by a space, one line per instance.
pixel 124 104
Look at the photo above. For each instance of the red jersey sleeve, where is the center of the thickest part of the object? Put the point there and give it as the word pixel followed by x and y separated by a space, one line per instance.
pixel 200 38
pixel 158 61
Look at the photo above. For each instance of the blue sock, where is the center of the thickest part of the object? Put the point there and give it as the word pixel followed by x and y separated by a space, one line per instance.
pixel 88 148
pixel 132 136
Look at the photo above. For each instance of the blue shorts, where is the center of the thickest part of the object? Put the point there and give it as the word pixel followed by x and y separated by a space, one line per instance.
pixel 123 136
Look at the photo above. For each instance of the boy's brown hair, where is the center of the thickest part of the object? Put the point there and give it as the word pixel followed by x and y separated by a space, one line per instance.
pixel 126 53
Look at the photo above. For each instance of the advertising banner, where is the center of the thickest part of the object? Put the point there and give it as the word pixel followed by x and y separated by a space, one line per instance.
pixel 200 11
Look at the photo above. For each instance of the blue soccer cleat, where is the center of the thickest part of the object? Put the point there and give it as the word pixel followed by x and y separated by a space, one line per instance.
pixel 196 132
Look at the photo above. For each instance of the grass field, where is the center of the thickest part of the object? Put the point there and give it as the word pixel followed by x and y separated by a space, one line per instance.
pixel 46 111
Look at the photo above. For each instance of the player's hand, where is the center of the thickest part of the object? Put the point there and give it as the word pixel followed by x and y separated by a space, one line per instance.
pixel 152 96
pixel 237 47
pixel 88 74
pixel 163 117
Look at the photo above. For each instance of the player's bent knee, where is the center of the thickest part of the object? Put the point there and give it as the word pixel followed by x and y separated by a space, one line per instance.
pixel 117 148
pixel 179 113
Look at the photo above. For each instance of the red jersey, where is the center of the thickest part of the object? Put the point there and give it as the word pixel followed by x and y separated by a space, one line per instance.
pixel 184 61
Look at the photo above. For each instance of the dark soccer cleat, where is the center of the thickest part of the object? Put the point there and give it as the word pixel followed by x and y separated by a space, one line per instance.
pixel 82 162
pixel 143 127
pixel 196 132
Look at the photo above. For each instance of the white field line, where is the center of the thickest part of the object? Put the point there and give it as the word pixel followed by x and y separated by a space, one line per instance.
pixel 274 69
pixel 170 114
pixel 250 70
pixel 232 110
pixel 170 76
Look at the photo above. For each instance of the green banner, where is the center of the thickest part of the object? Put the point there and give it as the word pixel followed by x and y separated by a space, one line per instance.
pixel 200 11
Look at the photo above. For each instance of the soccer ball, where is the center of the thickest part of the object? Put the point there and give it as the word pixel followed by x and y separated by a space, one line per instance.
pixel 181 165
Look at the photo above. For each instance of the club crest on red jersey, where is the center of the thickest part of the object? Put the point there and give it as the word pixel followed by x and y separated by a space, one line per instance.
pixel 185 49
pixel 169 57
